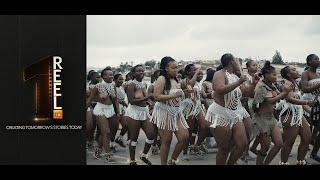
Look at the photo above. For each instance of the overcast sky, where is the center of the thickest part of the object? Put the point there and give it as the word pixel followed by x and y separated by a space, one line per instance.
pixel 115 39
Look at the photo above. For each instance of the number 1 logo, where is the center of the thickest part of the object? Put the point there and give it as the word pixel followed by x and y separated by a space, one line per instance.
pixel 45 76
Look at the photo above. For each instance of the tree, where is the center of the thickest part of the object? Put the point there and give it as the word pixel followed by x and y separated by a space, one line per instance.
pixel 277 59
pixel 150 63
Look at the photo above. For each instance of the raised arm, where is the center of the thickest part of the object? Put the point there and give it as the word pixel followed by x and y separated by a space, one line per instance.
pixel 304 84
pixel 193 81
pixel 247 89
pixel 205 91
pixel 204 94
pixel 290 98
pixel 159 86
pixel 287 87
pixel 220 85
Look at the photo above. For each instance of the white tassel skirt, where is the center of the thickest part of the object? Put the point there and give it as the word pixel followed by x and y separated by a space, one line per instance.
pixel 137 112
pixel 167 117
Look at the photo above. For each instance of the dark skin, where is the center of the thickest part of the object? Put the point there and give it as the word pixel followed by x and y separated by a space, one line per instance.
pixel 309 74
pixel 136 96
pixel 182 134
pixel 195 75
pixel 91 122
pixel 151 106
pixel 203 93
pixel 248 122
pixel 267 107
pixel 123 122
pixel 224 135
pixel 128 78
pixel 290 132
pixel 118 83
pixel 139 97
pixel 108 126
pixel 252 68
pixel 208 94
pixel 252 71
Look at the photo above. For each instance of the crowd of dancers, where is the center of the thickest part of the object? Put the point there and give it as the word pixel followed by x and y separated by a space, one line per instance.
pixel 230 110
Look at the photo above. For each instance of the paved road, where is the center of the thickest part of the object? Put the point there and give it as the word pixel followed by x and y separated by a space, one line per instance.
pixel 123 154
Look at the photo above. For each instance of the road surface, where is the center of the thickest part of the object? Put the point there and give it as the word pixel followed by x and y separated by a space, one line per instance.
pixel 122 156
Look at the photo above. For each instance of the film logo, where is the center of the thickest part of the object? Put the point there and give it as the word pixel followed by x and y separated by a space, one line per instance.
pixel 57 68
pixel 46 79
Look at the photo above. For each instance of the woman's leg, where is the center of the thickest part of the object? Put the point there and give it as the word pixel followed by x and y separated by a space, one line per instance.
pixel 289 136
pixel 255 144
pixel 124 125
pixel 150 132
pixel 265 144
pixel 278 144
pixel 155 148
pixel 193 130
pixel 223 137
pixel 316 147
pixel 248 123
pixel 157 135
pixel 240 139
pixel 133 129
pixel 114 126
pixel 191 138
pixel 94 127
pixel 204 126
pixel 104 133
pixel 166 138
pixel 89 126
pixel 305 136
pixel 124 128
pixel 182 137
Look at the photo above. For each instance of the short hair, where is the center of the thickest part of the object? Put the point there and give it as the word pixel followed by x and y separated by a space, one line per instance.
pixel 106 69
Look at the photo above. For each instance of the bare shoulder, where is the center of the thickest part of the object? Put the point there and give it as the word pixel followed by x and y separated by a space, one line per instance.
pixel 160 83
pixel 305 75
pixel 219 76
pixel 161 80
pixel 131 86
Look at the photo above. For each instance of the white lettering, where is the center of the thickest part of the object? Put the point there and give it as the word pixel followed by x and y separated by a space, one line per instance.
pixel 57 62
pixel 56 74
pixel 56 81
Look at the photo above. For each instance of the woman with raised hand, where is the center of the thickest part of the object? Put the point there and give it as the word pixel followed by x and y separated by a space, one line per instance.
pixel 193 110
pixel 310 86
pixel 292 119
pixel 167 114
pixel 265 98
pixel 226 113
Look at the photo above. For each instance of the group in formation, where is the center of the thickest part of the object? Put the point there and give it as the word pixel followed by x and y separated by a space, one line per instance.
pixel 229 110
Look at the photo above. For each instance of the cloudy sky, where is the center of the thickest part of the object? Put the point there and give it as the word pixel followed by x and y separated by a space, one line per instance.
pixel 115 39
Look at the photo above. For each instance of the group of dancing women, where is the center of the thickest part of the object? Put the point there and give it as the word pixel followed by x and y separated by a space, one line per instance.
pixel 231 110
